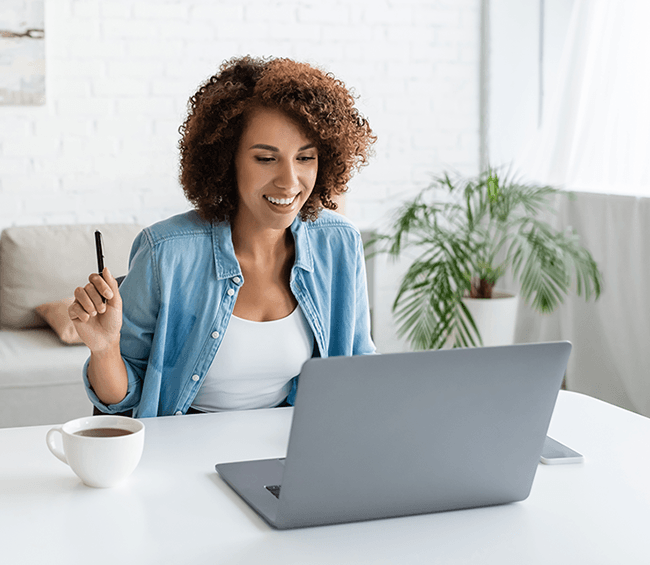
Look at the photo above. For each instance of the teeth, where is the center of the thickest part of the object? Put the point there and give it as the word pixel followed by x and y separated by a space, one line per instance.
pixel 283 201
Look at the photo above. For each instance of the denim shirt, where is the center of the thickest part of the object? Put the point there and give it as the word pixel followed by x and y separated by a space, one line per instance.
pixel 181 288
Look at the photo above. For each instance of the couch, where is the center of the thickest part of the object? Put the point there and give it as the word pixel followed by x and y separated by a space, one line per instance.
pixel 40 357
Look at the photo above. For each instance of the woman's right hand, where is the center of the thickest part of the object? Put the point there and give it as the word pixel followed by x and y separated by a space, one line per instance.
pixel 98 324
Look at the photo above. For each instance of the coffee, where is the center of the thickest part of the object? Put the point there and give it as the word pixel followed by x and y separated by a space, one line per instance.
pixel 104 461
pixel 103 432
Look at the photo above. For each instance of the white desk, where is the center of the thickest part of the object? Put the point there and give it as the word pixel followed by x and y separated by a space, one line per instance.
pixel 176 509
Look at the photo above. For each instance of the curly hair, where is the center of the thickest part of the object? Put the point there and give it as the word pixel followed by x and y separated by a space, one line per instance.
pixel 317 101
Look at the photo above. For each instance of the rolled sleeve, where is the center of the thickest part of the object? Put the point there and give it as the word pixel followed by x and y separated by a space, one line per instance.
pixel 128 402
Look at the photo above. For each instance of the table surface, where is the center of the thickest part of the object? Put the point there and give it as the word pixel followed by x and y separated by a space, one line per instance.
pixel 175 508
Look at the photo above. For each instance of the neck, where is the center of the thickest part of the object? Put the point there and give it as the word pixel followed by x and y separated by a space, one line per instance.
pixel 261 244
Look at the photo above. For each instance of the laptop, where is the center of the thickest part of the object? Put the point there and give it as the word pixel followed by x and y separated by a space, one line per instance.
pixel 380 436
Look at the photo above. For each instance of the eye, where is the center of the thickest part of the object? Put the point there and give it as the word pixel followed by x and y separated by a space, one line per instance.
pixel 261 159
pixel 306 158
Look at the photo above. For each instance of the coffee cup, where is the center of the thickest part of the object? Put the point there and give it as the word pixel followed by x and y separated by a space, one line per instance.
pixel 101 450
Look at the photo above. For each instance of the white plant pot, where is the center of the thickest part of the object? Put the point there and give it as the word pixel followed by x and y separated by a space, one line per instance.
pixel 495 317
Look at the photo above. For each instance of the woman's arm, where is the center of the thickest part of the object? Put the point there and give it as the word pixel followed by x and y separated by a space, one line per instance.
pixel 107 375
pixel 98 324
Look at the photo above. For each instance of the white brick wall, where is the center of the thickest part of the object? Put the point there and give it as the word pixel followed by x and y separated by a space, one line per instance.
pixel 119 73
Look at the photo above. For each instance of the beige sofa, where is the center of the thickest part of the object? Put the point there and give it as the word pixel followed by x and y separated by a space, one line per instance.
pixel 40 266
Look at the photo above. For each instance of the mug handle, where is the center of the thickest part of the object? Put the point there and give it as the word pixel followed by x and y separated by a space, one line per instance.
pixel 49 439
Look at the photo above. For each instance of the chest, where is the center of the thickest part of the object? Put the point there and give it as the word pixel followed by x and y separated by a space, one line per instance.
pixel 265 295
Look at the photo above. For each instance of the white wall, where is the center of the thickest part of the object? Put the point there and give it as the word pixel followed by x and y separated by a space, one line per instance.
pixel 119 73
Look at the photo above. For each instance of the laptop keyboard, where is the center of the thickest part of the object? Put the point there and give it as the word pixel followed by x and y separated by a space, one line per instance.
pixel 274 490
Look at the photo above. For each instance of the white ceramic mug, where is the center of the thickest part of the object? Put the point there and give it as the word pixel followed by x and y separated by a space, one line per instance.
pixel 99 461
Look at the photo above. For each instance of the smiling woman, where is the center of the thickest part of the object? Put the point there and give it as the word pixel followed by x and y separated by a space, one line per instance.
pixel 223 305
pixel 318 103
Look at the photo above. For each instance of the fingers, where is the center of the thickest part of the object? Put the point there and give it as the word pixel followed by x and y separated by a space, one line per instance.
pixel 88 299
pixel 85 305
pixel 76 311
pixel 99 287
pixel 113 290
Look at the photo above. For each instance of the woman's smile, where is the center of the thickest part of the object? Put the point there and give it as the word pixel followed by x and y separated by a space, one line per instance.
pixel 282 202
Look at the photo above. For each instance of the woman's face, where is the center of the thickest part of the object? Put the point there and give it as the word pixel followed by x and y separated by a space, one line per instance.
pixel 276 167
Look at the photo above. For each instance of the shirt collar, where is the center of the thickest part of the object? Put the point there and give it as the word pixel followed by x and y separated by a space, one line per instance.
pixel 225 260
pixel 304 258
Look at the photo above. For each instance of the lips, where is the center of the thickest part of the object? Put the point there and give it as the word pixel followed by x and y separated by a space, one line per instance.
pixel 281 201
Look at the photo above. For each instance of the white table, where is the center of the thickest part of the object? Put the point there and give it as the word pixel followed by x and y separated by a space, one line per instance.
pixel 176 509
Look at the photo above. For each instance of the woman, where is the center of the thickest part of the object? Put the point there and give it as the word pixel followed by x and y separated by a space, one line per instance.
pixel 222 305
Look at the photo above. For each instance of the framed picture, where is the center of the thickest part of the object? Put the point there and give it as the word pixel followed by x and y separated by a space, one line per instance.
pixel 22 53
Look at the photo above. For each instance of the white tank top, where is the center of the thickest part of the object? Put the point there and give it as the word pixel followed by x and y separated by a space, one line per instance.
pixel 255 364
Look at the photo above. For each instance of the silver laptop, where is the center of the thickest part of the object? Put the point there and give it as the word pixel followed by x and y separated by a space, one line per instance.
pixel 380 436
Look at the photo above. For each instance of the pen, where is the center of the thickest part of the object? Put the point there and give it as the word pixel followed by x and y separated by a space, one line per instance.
pixel 100 255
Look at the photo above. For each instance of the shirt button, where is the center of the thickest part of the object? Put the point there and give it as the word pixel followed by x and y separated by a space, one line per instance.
pixel 215 335
pixel 179 413
pixel 236 280
pixel 230 292
pixel 195 378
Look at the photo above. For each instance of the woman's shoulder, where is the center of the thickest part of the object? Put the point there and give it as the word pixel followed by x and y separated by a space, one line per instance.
pixel 331 234
pixel 331 221
pixel 180 226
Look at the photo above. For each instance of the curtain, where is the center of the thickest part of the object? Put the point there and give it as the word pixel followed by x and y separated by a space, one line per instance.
pixel 610 359
pixel 595 133
pixel 595 139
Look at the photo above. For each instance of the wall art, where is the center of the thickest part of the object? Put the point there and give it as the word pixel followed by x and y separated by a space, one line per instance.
pixel 22 53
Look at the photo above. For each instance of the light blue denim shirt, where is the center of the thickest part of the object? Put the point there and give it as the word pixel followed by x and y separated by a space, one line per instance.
pixel 181 289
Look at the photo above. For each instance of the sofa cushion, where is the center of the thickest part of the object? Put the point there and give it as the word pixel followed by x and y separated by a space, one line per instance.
pixel 40 379
pixel 40 264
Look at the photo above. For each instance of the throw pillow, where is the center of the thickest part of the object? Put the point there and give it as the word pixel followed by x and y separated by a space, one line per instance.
pixel 56 315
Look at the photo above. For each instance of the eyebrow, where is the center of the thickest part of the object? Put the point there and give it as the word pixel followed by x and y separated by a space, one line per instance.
pixel 275 149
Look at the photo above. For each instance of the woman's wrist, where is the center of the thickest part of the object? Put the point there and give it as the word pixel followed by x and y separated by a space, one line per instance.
pixel 111 350
pixel 107 374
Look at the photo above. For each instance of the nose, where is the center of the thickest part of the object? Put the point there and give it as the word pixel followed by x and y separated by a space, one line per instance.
pixel 287 176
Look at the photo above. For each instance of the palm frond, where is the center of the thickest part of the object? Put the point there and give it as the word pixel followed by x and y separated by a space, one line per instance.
pixel 463 238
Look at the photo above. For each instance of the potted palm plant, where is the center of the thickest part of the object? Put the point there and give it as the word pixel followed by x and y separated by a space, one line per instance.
pixel 465 243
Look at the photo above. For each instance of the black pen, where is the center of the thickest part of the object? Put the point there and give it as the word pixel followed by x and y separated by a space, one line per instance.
pixel 100 255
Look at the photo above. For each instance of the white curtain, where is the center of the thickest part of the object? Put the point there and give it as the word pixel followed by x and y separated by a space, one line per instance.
pixel 610 359
pixel 595 132
pixel 595 139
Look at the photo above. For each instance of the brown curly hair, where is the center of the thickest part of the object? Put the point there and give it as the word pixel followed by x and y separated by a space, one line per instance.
pixel 318 102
